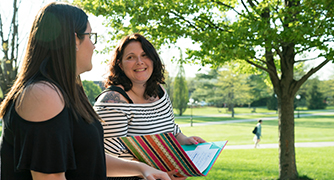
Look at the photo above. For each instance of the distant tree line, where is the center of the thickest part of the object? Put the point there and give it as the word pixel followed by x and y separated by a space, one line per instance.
pixel 225 88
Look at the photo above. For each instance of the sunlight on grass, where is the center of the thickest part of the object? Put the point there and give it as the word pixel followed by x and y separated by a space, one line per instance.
pixel 212 111
pixel 253 164
pixel 199 119
pixel 316 129
pixel 244 164
pixel 223 111
pixel 259 164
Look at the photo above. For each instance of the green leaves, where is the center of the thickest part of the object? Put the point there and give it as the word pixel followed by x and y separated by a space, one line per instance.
pixel 180 94
pixel 226 31
pixel 267 34
pixel 92 90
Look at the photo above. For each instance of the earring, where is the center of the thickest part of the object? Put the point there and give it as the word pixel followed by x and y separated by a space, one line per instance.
pixel 76 48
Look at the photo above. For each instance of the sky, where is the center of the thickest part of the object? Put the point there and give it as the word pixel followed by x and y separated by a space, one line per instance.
pixel 29 8
pixel 166 54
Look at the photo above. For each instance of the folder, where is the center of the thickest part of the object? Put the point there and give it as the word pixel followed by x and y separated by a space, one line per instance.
pixel 164 152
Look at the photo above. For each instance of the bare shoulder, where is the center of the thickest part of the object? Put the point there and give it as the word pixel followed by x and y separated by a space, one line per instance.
pixel 112 97
pixel 39 102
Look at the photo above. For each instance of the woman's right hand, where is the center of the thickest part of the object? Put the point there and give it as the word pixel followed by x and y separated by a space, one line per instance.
pixel 151 173
pixel 172 175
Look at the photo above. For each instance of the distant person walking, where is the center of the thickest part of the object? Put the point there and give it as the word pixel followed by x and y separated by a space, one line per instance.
pixel 257 133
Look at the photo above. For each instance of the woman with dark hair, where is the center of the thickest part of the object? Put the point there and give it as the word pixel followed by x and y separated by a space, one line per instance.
pixel 134 102
pixel 50 130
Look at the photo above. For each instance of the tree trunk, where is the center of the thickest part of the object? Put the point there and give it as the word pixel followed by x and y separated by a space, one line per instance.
pixel 180 111
pixel 287 161
pixel 232 110
pixel 285 89
pixel 8 63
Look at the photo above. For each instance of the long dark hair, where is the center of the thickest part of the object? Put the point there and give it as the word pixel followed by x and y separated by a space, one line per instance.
pixel 117 76
pixel 51 55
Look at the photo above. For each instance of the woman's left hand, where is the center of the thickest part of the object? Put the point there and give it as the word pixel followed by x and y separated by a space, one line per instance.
pixel 183 139
pixel 194 140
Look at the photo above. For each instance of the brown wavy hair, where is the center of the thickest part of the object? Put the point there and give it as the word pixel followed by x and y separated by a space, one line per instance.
pixel 117 76
pixel 51 56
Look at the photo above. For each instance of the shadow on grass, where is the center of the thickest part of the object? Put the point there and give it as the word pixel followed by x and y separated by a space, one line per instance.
pixel 304 178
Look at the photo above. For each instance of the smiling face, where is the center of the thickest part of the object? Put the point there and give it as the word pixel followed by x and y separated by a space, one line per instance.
pixel 137 66
pixel 84 52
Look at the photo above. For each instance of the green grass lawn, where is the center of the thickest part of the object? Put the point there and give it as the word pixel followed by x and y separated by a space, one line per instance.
pixel 199 111
pixel 307 129
pixel 313 163
pixel 244 164
pixel 253 164
pixel 214 111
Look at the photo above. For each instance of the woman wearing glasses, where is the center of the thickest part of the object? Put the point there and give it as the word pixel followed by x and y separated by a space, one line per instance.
pixel 50 130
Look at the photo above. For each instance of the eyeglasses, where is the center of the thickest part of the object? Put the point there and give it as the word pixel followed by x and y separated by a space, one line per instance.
pixel 92 37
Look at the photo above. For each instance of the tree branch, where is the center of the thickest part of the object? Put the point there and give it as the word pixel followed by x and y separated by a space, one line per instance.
pixel 185 20
pixel 244 5
pixel 301 81
pixel 308 48
pixel 226 5
pixel 272 73
pixel 212 25
pixel 314 70
pixel 256 65
pixel 14 23
pixel 1 32
pixel 303 50
pixel 198 28
pixel 250 2
pixel 279 52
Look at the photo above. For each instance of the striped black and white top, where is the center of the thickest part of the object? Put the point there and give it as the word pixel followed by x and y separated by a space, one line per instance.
pixel 120 120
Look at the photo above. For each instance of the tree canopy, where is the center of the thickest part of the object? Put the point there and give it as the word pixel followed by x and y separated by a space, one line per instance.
pixel 180 91
pixel 92 90
pixel 274 36
pixel 232 89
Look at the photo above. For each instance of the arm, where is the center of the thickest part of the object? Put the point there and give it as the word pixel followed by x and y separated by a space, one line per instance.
pixel 112 97
pixel 117 167
pixel 111 107
pixel 128 167
pixel 42 176
pixel 40 102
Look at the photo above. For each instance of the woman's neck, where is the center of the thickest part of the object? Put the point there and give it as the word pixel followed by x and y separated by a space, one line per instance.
pixel 138 90
pixel 136 93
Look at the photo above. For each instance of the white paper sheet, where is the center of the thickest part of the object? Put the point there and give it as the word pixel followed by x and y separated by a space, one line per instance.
pixel 202 156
